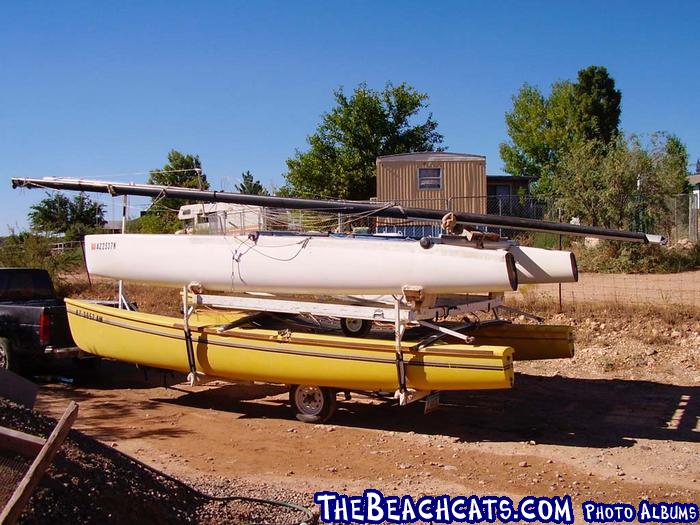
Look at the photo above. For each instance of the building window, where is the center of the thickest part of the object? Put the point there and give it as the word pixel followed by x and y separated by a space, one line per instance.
pixel 429 178
pixel 499 190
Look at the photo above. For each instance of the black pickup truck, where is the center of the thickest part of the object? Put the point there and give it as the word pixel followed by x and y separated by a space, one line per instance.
pixel 33 321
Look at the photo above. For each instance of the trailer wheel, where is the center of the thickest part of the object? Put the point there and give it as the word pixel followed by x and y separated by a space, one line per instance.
pixel 5 361
pixel 355 327
pixel 312 404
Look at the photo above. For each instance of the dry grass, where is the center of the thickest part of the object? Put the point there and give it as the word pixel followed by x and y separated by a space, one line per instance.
pixel 153 299
pixel 617 257
pixel 663 314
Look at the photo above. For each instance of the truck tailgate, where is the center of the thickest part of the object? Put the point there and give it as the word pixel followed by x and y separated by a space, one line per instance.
pixel 60 335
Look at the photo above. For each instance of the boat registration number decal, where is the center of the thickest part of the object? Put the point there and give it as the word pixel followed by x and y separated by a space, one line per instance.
pixel 89 315
pixel 107 245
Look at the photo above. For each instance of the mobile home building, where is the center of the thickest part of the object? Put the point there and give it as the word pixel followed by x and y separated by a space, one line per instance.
pixel 432 179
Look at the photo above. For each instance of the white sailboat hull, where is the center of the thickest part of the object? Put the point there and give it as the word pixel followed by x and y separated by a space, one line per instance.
pixel 299 264
pixel 538 265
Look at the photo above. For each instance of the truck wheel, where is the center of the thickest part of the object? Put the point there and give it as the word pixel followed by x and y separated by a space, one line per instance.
pixel 355 327
pixel 312 404
pixel 5 361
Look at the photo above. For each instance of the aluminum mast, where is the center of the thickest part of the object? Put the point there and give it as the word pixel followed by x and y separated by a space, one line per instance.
pixel 388 210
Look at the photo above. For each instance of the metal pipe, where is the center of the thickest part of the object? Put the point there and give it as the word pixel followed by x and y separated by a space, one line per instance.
pixel 388 210
pixel 121 300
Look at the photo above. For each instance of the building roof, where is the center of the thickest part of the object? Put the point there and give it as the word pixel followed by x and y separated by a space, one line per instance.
pixel 510 178
pixel 429 156
pixel 694 179
pixel 112 225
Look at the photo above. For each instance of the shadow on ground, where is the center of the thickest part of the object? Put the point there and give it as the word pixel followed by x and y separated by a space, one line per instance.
pixel 552 410
pixel 548 410
pixel 63 381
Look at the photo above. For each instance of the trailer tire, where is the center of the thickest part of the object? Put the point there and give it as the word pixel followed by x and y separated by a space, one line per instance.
pixel 355 327
pixel 6 359
pixel 312 404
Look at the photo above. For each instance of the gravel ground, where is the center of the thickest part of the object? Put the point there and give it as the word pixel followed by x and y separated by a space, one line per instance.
pixel 89 482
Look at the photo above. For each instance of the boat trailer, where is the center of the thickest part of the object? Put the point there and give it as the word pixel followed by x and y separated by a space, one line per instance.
pixel 356 316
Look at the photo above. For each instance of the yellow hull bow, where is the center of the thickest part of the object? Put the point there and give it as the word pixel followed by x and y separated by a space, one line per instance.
pixel 265 355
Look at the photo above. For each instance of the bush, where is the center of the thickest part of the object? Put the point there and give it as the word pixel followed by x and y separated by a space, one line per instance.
pixel 623 185
pixel 165 222
pixel 27 250
pixel 617 257
pixel 549 241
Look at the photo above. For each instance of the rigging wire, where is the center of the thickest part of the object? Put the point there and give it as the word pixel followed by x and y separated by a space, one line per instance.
pixel 320 219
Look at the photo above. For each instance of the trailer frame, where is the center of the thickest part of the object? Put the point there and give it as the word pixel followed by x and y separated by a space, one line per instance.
pixel 409 309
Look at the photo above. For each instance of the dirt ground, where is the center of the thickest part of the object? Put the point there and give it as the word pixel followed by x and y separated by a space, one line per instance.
pixel 618 423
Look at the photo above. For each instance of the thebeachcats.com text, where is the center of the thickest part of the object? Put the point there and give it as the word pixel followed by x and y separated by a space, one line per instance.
pixel 374 507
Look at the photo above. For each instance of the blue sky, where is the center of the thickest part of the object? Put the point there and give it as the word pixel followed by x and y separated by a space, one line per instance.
pixel 98 89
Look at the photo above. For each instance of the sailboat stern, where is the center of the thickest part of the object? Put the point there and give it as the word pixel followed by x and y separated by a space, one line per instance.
pixel 538 265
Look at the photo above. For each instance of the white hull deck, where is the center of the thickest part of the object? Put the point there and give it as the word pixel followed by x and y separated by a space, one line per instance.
pixel 323 265
pixel 290 264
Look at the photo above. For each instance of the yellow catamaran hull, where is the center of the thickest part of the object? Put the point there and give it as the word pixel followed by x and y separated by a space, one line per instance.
pixel 279 357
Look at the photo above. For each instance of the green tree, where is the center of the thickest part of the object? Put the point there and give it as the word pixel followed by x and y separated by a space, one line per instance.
pixel 250 186
pixel 543 129
pixel 598 183
pixel 672 154
pixel 624 184
pixel 182 171
pixel 531 150
pixel 71 217
pixel 627 184
pixel 51 215
pixel 340 162
pixel 150 222
pixel 597 104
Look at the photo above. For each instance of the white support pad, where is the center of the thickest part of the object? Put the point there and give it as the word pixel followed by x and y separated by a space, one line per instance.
pixel 411 396
pixel 371 311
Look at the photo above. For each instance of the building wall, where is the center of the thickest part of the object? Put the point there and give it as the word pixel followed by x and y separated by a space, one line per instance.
pixel 463 184
pixel 500 187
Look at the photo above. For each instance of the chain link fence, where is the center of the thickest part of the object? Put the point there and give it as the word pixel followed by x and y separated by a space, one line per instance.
pixel 682 288
pixel 679 223
pixel 684 218
pixel 675 289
